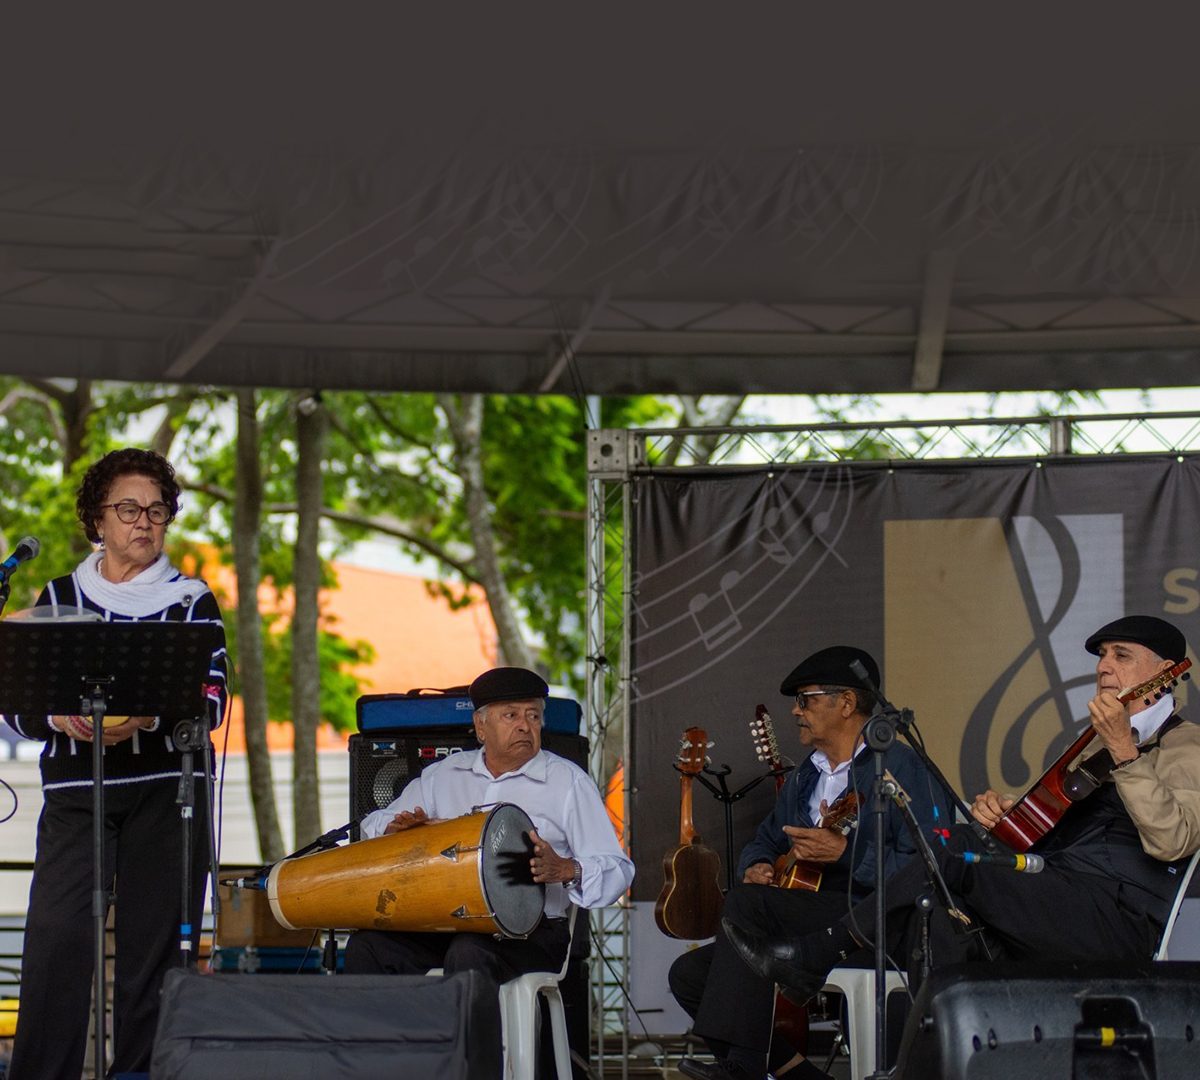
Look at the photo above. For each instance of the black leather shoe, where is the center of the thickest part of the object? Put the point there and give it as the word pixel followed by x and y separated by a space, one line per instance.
pixel 714 1070
pixel 775 960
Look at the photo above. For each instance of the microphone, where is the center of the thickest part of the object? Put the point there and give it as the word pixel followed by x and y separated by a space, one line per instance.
pixel 257 883
pixel 1025 864
pixel 27 549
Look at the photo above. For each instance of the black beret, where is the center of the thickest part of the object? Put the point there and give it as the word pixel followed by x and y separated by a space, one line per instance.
pixel 507 684
pixel 831 667
pixel 1158 635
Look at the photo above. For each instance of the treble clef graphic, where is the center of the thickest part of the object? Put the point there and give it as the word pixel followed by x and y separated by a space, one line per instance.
pixel 1015 769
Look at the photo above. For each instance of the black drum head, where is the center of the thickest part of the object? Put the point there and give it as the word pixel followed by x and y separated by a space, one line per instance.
pixel 509 890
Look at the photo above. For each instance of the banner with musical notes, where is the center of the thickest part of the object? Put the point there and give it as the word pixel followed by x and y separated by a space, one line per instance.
pixel 973 585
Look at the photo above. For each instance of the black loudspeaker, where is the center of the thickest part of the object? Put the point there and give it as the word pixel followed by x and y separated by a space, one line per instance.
pixel 1060 1022
pixel 381 763
pixel 352 1027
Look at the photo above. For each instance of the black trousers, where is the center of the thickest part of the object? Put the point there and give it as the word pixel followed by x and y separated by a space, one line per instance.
pixel 1052 915
pixel 729 1003
pixel 384 952
pixel 142 848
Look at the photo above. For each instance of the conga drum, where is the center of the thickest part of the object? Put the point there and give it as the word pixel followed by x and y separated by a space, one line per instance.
pixel 464 875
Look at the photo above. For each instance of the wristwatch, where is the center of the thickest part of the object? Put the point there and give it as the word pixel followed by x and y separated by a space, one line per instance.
pixel 577 877
pixel 1130 761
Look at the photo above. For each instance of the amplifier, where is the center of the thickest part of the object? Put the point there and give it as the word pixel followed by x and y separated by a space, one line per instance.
pixel 393 712
pixel 1068 1021
pixel 354 1027
pixel 381 764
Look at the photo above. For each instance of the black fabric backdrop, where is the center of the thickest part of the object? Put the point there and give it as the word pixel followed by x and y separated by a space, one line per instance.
pixel 973 585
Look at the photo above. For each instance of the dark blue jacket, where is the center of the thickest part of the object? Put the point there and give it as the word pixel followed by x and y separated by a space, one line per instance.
pixel 791 808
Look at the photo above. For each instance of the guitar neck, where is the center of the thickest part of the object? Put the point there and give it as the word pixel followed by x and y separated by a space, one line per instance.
pixel 687 830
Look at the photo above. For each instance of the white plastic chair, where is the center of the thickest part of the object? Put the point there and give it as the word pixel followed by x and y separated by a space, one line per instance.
pixel 858 987
pixel 520 1018
pixel 1180 896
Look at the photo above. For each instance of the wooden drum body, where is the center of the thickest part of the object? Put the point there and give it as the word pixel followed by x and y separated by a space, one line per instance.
pixel 463 875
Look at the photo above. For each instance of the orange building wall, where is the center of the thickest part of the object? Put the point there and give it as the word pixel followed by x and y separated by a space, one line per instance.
pixel 418 641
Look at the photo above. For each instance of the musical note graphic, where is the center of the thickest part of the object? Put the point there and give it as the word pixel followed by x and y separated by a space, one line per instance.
pixel 716 626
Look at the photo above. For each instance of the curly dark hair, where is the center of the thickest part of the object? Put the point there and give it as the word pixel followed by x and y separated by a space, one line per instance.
pixel 98 481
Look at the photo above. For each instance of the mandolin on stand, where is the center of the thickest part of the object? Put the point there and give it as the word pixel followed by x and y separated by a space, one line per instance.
pixel 791 1020
pixel 689 906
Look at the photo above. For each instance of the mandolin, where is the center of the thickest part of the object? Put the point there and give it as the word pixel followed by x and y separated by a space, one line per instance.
pixel 689 906
pixel 766 746
pixel 791 1020
pixel 1037 811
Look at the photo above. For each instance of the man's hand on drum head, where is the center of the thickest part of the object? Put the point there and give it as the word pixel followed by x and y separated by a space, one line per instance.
pixel 546 864
pixel 406 820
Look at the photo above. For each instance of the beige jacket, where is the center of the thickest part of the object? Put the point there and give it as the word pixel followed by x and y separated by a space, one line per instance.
pixel 1161 791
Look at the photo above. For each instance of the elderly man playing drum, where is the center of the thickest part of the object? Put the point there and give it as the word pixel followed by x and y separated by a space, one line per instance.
pixel 575 851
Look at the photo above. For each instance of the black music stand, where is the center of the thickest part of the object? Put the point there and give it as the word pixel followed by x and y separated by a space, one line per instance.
pixel 75 665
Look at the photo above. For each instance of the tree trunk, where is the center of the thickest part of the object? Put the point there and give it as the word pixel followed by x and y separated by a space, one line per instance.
pixel 312 426
pixel 252 682
pixel 465 417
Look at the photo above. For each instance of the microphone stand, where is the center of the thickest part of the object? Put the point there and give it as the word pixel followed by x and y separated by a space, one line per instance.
pixel 190 736
pixel 880 734
pixel 324 842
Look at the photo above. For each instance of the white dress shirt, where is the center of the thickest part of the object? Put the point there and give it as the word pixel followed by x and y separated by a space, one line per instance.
pixel 831 782
pixel 1146 723
pixel 560 798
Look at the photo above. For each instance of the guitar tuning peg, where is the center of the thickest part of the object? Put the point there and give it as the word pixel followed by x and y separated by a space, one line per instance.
pixel 709 744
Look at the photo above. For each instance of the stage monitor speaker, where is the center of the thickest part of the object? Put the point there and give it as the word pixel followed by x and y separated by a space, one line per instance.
pixel 1060 1022
pixel 381 763
pixel 350 1027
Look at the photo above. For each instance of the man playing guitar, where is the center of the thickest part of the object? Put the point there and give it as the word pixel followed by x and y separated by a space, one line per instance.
pixel 731 1004
pixel 1113 861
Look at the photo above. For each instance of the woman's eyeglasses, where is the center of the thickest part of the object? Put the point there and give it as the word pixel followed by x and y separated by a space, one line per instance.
pixel 129 512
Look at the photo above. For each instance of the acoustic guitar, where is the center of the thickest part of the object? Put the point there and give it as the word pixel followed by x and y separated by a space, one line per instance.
pixel 689 906
pixel 793 873
pixel 1041 808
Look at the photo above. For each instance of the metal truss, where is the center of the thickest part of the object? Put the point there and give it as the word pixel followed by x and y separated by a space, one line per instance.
pixel 616 456
pixel 896 442
pixel 607 703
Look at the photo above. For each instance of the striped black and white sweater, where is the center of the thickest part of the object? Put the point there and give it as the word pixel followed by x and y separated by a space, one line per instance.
pixel 149 754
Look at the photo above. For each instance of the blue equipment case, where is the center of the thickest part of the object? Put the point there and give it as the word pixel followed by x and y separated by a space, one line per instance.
pixel 423 708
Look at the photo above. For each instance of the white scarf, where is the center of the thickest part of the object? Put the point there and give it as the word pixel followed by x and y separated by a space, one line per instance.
pixel 153 590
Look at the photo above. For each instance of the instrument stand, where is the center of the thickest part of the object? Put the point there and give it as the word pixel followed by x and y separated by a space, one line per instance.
pixel 77 665
pixel 728 798
pixel 190 736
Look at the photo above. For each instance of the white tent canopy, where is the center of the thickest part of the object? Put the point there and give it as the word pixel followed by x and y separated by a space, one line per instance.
pixel 880 237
